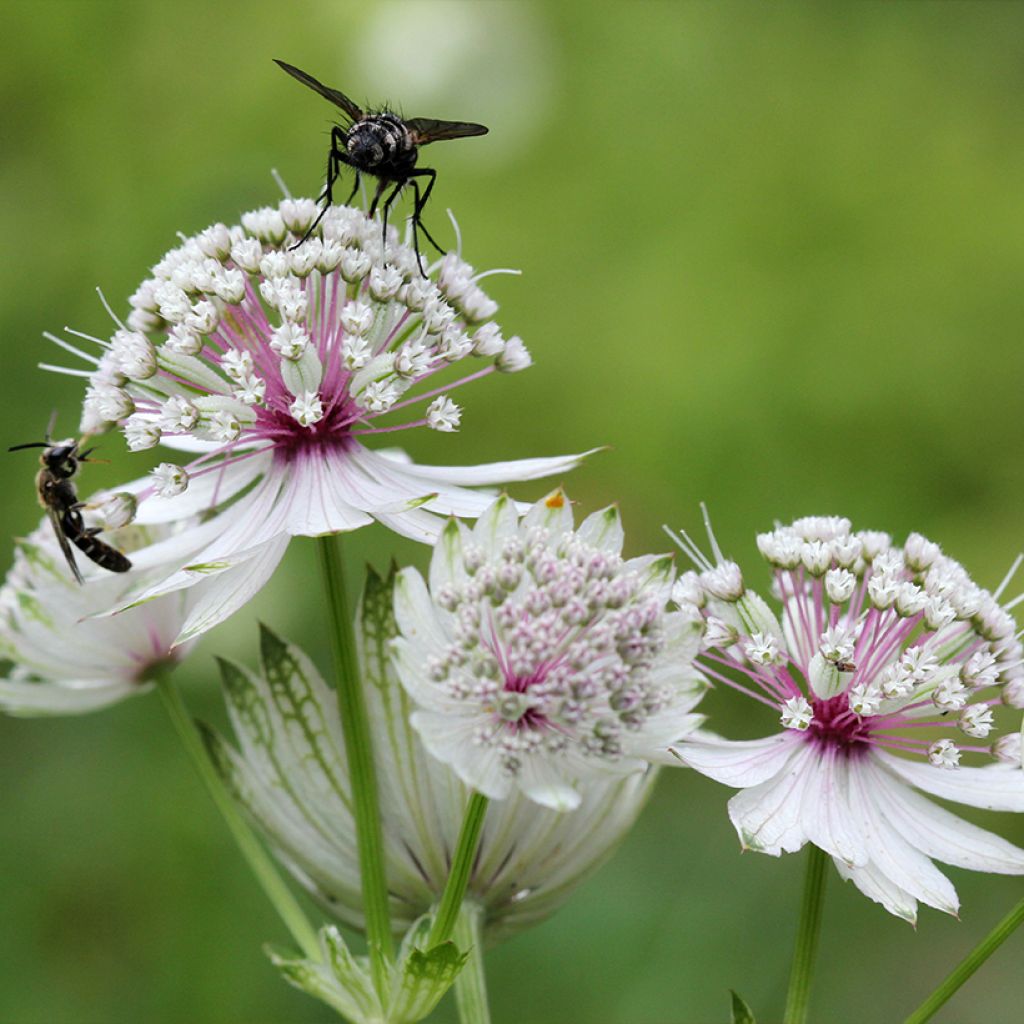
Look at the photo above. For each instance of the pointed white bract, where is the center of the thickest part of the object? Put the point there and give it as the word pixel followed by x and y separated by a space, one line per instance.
pixel 892 670
pixel 291 774
pixel 539 658
pixel 67 661
pixel 275 365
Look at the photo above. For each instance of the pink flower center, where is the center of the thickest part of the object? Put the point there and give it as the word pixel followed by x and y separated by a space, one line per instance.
pixel 291 438
pixel 836 726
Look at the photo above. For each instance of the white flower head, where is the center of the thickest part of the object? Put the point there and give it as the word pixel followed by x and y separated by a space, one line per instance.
pixel 275 368
pixel 68 657
pixel 293 776
pixel 886 646
pixel 551 659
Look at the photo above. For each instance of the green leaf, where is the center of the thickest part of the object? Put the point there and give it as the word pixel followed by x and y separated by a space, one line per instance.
pixel 422 976
pixel 417 980
pixel 341 980
pixel 741 1013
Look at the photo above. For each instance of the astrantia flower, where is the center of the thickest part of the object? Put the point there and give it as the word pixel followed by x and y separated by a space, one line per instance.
pixel 276 363
pixel 292 775
pixel 540 658
pixel 888 667
pixel 65 660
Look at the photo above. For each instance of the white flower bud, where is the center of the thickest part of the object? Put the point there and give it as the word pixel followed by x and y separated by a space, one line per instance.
pixel 514 357
pixel 117 510
pixel 796 714
pixel 443 414
pixel 169 480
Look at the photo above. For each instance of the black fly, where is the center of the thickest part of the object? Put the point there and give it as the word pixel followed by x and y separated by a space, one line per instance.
pixel 384 146
pixel 59 462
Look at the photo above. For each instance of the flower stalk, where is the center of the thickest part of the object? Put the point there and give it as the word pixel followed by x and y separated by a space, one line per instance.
pixel 458 876
pixel 968 966
pixel 256 857
pixel 799 996
pixel 359 754
pixel 471 983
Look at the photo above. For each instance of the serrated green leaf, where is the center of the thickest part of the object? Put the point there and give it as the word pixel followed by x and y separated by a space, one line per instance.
pixel 422 976
pixel 741 1013
pixel 341 981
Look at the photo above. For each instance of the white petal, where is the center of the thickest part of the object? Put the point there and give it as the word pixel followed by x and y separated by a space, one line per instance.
pixel 826 817
pixel 739 763
pixel 497 472
pixel 938 833
pixel 498 524
pixel 394 483
pixel 768 817
pixel 450 740
pixel 446 566
pixel 876 886
pixel 996 788
pixel 553 513
pixel 317 493
pixel 890 853
pixel 544 784
pixel 71 697
pixel 603 529
pixel 417 524
pixel 219 597
pixel 417 617
pixel 205 490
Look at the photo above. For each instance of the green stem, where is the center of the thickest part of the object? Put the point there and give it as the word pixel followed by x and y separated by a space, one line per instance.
pixel 969 965
pixel 259 860
pixel 799 996
pixel 471 983
pixel 458 875
pixel 359 753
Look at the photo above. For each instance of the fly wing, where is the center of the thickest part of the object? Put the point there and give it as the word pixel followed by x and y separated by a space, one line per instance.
pixel 65 547
pixel 427 129
pixel 338 98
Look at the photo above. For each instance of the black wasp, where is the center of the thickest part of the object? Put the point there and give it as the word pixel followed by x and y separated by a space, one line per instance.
pixel 384 146
pixel 60 461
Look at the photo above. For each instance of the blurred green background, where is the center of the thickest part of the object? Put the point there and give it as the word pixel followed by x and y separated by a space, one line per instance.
pixel 771 254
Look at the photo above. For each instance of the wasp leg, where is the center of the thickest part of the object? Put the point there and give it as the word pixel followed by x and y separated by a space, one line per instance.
pixel 336 159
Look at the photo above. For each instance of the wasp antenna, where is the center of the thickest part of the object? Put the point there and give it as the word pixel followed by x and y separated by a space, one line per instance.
pixel 30 444
pixel 51 424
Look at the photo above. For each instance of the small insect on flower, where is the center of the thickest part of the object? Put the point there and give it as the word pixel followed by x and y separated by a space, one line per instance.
pixel 384 146
pixel 60 461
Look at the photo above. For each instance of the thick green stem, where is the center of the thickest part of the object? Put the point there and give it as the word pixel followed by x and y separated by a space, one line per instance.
pixel 259 860
pixel 970 964
pixel 471 983
pixel 359 752
pixel 799 996
pixel 458 875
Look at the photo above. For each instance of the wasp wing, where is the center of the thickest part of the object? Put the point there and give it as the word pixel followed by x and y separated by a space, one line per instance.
pixel 62 539
pixel 427 129
pixel 338 98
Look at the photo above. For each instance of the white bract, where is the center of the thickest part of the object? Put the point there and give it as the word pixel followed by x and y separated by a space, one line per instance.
pixel 292 775
pixel 892 666
pixel 66 661
pixel 540 658
pixel 274 365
